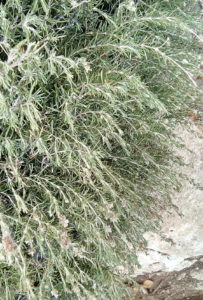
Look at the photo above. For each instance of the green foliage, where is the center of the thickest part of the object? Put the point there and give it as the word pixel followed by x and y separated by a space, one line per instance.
pixel 89 96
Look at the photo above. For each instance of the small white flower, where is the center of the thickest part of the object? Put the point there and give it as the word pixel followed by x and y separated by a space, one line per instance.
pixel 185 61
pixel 63 221
pixel 78 251
pixel 41 229
pixel 35 217
pixel 113 217
pixel 74 3
pixel 130 246
pixel 120 269
pixel 110 205
pixel 131 5
pixel 168 42
pixel 108 229
pixel 31 251
pixel 87 67
pixel 55 293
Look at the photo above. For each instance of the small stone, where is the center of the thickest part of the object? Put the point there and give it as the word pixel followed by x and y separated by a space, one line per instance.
pixel 147 284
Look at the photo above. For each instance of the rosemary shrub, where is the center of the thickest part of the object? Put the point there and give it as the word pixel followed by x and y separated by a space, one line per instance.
pixel 90 92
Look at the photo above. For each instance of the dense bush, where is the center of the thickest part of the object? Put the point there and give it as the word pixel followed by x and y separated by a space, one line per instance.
pixel 90 92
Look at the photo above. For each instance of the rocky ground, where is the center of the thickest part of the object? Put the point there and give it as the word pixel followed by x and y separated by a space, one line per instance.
pixel 172 263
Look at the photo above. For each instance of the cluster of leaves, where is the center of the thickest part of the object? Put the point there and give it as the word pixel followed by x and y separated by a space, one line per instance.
pixel 90 92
